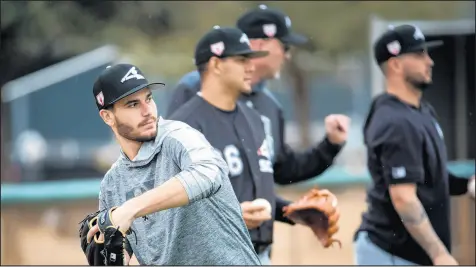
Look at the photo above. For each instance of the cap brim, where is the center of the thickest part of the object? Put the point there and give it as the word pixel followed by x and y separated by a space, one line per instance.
pixel 294 39
pixel 151 86
pixel 434 44
pixel 251 53
pixel 428 45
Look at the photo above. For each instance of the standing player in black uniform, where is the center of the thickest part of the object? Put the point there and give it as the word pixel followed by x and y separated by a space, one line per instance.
pixel 408 217
pixel 223 57
pixel 270 30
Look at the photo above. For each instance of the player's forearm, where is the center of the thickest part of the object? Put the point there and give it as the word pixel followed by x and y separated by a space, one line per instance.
pixel 415 219
pixel 326 152
pixel 279 213
pixel 293 167
pixel 197 181
pixel 170 194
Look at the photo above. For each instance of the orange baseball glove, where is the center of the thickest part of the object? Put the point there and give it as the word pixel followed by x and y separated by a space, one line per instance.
pixel 318 210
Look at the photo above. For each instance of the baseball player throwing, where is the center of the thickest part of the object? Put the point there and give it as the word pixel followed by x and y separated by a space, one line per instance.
pixel 168 197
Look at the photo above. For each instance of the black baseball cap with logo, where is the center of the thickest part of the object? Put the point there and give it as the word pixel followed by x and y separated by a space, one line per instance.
pixel 401 40
pixel 224 42
pixel 265 22
pixel 119 81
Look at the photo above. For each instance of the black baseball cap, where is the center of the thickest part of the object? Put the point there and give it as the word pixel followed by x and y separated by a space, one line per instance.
pixel 224 42
pixel 401 40
pixel 265 22
pixel 119 81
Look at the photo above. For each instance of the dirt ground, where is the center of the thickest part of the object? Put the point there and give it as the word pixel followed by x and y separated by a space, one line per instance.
pixel 33 235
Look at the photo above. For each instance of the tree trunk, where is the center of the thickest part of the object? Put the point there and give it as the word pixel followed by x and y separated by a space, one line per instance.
pixel 301 101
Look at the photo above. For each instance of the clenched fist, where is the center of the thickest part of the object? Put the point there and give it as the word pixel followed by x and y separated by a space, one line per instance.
pixel 254 215
pixel 471 186
pixel 337 128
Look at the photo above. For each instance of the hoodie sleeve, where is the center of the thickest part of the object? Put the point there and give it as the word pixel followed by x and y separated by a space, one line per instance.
pixel 203 169
pixel 102 196
pixel 102 202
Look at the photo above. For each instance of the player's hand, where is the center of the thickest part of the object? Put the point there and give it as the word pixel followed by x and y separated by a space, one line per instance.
pixel 92 232
pixel 123 218
pixel 472 186
pixel 337 128
pixel 254 215
pixel 445 259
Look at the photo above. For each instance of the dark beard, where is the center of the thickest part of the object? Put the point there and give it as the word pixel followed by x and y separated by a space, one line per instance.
pixel 125 131
pixel 420 85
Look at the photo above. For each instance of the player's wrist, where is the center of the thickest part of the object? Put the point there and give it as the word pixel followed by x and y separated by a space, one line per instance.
pixel 471 187
pixel 333 142
pixel 131 209
pixel 442 252
pixel 437 250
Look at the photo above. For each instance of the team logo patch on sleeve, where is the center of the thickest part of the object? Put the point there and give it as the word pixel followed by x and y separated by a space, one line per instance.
pixel 399 172
pixel 438 129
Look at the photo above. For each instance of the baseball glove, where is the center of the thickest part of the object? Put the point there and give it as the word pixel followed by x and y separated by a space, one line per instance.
pixel 317 209
pixel 92 250
pixel 108 251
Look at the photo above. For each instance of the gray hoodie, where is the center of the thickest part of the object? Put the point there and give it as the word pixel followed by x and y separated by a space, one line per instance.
pixel 208 231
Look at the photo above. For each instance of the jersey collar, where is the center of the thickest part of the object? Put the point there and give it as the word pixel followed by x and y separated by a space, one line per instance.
pixel 258 87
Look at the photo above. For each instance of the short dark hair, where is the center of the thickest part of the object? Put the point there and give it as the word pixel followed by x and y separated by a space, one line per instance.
pixel 383 67
pixel 202 68
pixel 110 107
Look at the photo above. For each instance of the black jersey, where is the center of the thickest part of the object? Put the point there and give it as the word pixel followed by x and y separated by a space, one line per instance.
pixel 239 136
pixel 405 144
pixel 289 166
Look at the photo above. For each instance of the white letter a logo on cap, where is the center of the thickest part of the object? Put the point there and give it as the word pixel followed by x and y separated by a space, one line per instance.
pixel 132 73
pixel 418 35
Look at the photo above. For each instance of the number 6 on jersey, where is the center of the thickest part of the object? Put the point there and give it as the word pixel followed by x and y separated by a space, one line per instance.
pixel 233 159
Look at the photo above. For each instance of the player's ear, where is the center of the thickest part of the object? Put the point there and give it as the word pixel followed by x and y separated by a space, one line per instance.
pixel 395 64
pixel 215 65
pixel 107 116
